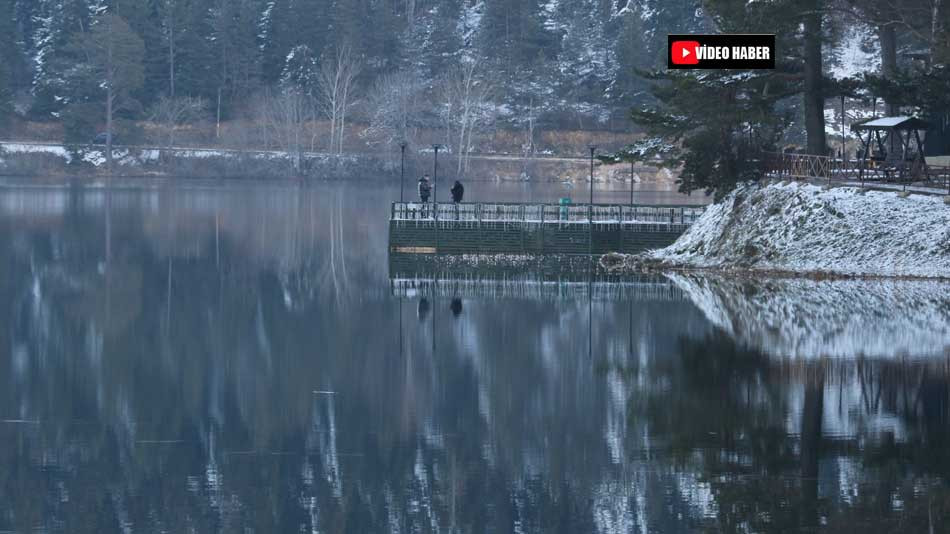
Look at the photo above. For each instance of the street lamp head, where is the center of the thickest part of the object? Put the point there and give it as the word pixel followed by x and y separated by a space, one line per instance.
pixel 593 148
pixel 403 145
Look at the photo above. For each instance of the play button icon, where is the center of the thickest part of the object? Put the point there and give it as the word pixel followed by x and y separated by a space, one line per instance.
pixel 684 52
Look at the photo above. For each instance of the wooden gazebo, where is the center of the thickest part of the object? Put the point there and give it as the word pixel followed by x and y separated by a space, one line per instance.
pixel 897 152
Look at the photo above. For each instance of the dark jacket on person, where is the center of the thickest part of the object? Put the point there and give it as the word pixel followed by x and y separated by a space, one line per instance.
pixel 424 189
pixel 458 191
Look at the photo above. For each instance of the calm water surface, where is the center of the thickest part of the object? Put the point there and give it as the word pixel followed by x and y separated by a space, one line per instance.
pixel 218 357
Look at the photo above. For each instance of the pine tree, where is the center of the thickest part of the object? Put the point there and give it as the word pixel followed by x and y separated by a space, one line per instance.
pixel 715 124
pixel 113 55
pixel 380 46
pixel 629 58
pixel 301 70
pixel 11 58
pixel 276 23
pixel 512 35
pixel 193 63
pixel 233 45
pixel 712 124
pixel 58 21
pixel 145 18
pixel 313 25
pixel 285 24
pixel 432 43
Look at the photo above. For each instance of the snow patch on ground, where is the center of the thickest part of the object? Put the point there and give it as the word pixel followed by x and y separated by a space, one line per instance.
pixel 29 148
pixel 805 228
pixel 94 157
pixel 803 318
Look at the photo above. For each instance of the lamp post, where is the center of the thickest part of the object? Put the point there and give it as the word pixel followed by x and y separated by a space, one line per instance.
pixel 593 148
pixel 435 217
pixel 843 145
pixel 631 183
pixel 402 171
pixel 435 179
pixel 590 206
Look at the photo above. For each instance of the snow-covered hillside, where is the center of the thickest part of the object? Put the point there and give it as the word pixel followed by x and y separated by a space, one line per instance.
pixel 806 228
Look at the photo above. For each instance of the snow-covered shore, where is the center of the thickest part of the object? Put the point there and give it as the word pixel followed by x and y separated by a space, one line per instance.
pixel 804 228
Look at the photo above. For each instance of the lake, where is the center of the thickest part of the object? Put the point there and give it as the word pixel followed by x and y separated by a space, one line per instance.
pixel 236 357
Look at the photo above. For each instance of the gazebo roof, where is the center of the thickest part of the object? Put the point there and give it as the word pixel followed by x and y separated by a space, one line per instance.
pixel 891 123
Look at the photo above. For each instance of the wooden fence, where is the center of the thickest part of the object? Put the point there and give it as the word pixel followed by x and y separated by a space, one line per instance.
pixel 806 166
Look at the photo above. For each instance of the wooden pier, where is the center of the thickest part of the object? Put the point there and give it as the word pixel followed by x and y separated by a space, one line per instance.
pixel 511 228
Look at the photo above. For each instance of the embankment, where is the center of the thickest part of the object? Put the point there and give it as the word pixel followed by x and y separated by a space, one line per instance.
pixel 806 229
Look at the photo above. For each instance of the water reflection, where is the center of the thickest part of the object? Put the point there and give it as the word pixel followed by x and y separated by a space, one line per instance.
pixel 238 360
pixel 803 318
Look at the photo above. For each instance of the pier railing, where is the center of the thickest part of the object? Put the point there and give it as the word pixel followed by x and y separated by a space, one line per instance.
pixel 546 213
pixel 535 287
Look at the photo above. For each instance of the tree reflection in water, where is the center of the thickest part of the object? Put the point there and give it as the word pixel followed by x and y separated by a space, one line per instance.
pixel 234 361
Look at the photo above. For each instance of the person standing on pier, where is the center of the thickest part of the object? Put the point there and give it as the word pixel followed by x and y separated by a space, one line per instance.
pixel 458 191
pixel 424 191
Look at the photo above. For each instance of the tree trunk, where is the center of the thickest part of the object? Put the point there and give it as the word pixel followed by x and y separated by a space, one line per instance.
pixel 332 124
pixel 461 147
pixel 936 30
pixel 171 49
pixel 342 122
pixel 812 412
pixel 110 95
pixel 814 97
pixel 888 40
pixel 109 130
pixel 217 126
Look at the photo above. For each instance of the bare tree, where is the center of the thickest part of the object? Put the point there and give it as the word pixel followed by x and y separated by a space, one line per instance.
pixel 335 84
pixel 394 105
pixel 171 113
pixel 466 108
pixel 284 115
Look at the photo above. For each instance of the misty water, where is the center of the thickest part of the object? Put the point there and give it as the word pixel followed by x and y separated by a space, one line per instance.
pixel 237 357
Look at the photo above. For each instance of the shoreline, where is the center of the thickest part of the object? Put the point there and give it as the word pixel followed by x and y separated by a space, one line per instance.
pixel 24 158
pixel 750 273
